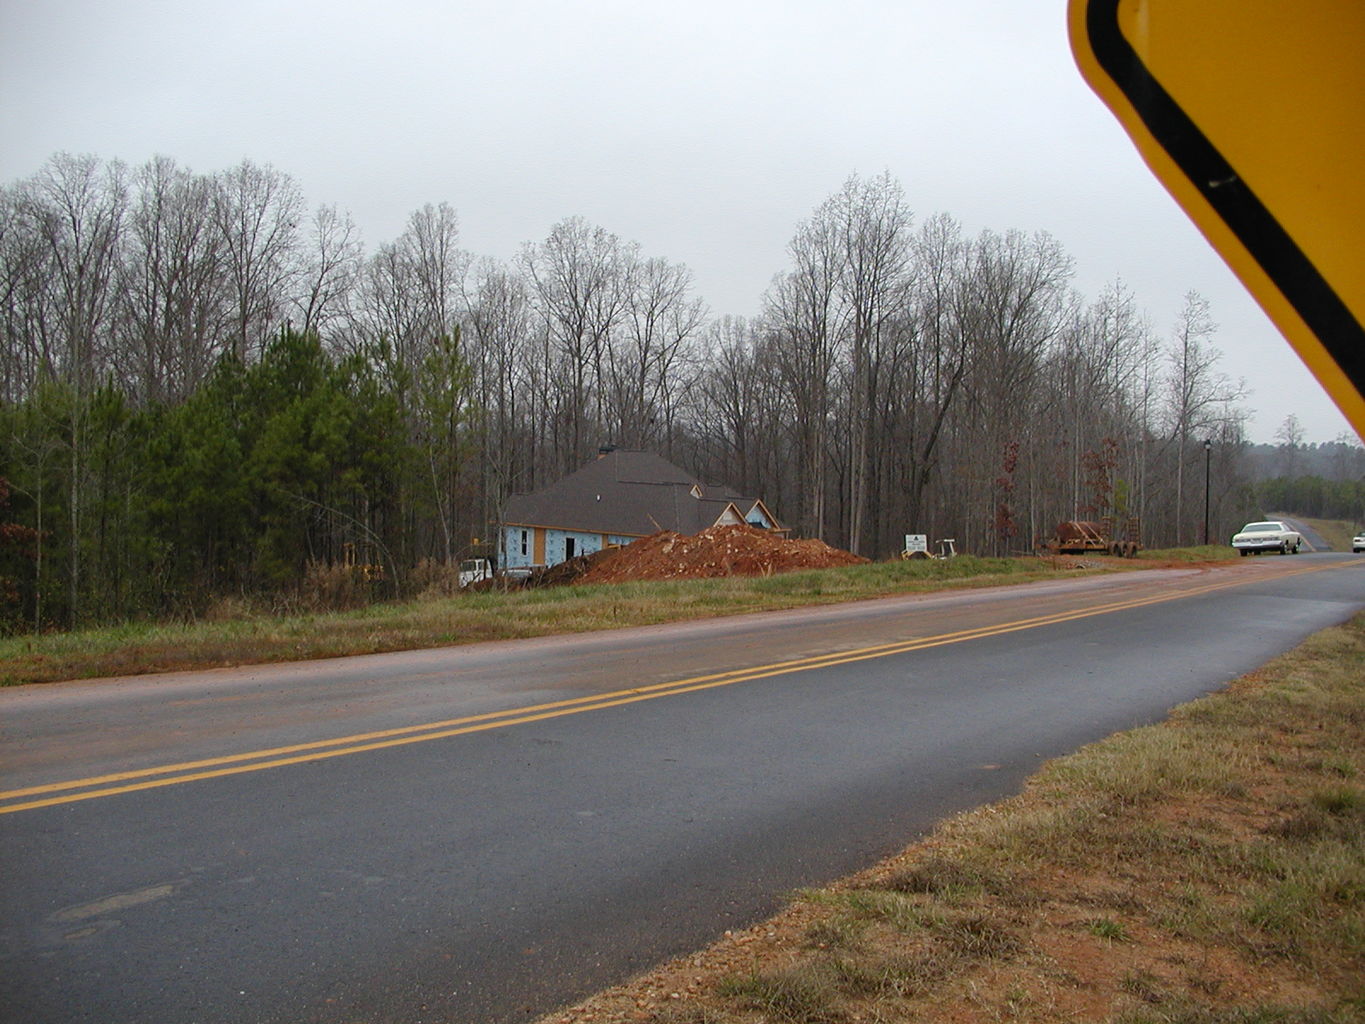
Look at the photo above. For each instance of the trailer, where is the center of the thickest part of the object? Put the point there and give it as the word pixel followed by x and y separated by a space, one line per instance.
pixel 1107 536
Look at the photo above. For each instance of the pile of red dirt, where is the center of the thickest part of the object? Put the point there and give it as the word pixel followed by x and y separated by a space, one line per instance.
pixel 719 551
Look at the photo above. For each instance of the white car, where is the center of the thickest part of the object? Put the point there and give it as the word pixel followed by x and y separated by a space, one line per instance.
pixel 1267 536
pixel 1358 543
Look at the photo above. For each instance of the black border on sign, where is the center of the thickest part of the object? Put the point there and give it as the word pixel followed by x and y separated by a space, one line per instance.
pixel 1315 301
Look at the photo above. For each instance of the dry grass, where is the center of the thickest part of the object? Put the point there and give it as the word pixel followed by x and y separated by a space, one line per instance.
pixel 1208 870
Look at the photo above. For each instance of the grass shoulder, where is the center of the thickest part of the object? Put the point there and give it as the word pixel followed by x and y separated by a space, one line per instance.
pixel 245 637
pixel 1199 553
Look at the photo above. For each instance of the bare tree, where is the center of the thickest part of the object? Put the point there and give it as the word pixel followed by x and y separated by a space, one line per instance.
pixel 1198 396
pixel 871 226
pixel 174 305
pixel 79 210
pixel 1093 384
pixel 660 319
pixel 413 291
pixel 581 276
pixel 438 266
pixel 257 211
pixel 331 270
pixel 932 374
pixel 27 321
pixel 727 416
pixel 1290 436
pixel 76 207
pixel 390 317
pixel 501 336
pixel 1014 306
pixel 803 321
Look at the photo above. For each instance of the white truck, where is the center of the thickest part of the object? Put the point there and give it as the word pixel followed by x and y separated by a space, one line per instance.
pixel 472 570
pixel 1271 535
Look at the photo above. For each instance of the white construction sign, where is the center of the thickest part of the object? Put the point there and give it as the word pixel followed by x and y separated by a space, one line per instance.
pixel 916 542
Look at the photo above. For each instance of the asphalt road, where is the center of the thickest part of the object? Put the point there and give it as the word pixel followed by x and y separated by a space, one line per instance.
pixel 483 833
pixel 1313 541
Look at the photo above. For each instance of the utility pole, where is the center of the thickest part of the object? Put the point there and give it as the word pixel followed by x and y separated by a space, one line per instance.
pixel 1208 447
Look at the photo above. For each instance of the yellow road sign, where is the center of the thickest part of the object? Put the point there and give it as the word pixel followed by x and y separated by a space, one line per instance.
pixel 1252 114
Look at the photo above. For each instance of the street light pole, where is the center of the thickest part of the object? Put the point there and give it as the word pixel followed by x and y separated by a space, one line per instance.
pixel 1208 447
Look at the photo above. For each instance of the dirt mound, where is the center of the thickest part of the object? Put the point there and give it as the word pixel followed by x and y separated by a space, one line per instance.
pixel 719 551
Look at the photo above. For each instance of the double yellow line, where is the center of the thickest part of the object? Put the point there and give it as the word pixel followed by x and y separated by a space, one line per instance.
pixel 74 790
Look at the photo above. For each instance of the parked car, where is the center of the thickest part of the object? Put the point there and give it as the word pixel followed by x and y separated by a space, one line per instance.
pixel 1268 536
pixel 1358 543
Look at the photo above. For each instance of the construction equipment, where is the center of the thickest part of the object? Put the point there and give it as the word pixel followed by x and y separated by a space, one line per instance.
pixel 1107 536
pixel 917 546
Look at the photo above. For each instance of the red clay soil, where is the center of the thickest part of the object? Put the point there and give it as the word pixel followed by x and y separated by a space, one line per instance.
pixel 719 551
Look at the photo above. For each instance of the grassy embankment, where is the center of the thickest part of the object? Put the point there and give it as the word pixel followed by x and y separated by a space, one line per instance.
pixel 1207 870
pixel 468 618
pixel 1199 553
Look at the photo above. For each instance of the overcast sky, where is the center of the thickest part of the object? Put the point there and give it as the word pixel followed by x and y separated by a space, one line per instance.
pixel 705 131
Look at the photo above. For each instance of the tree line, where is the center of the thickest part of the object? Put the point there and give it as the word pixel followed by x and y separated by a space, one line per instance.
pixel 1314 497
pixel 208 390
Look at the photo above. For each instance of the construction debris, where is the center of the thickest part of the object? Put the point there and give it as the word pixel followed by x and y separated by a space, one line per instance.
pixel 718 551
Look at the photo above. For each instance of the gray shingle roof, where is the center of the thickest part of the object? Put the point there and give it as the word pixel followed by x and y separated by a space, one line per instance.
pixel 624 492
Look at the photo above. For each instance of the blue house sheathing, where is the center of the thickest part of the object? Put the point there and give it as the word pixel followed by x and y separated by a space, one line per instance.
pixel 620 497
